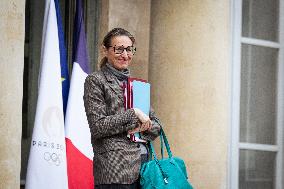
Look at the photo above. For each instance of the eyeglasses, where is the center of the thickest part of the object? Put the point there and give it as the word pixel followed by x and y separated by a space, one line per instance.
pixel 130 50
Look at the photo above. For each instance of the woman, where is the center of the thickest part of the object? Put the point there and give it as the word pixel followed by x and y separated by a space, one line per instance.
pixel 117 159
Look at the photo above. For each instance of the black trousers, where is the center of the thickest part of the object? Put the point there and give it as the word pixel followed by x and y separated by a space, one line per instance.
pixel 118 186
pixel 135 185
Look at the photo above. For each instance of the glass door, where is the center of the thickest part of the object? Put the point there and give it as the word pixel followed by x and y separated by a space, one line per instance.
pixel 257 100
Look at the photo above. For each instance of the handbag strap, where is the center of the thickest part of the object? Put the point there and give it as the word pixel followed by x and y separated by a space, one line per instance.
pixel 163 140
pixel 162 146
pixel 152 152
pixel 150 157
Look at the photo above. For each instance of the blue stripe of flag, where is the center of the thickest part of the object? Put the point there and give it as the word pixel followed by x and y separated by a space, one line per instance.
pixel 63 58
pixel 80 54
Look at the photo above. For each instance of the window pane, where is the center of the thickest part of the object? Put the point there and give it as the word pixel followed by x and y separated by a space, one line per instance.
pixel 260 19
pixel 258 94
pixel 257 170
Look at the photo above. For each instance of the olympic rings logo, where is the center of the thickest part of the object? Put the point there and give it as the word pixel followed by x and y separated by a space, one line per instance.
pixel 52 158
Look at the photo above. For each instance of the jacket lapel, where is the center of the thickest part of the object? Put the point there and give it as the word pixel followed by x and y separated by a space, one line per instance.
pixel 112 82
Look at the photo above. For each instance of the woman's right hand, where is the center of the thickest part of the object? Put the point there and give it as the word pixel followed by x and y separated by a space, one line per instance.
pixel 141 127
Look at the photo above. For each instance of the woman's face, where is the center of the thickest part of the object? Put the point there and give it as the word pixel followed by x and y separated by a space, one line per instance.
pixel 119 60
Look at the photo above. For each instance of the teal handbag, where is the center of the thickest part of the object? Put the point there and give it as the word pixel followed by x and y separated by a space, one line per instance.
pixel 166 173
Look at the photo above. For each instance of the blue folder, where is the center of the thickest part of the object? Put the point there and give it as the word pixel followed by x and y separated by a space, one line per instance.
pixel 141 96
pixel 141 100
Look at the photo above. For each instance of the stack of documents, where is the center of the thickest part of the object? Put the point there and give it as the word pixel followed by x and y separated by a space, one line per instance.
pixel 138 96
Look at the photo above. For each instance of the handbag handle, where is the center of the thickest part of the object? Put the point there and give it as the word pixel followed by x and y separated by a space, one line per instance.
pixel 162 146
pixel 152 152
pixel 164 140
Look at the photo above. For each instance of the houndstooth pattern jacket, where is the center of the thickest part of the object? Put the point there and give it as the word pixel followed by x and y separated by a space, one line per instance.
pixel 116 158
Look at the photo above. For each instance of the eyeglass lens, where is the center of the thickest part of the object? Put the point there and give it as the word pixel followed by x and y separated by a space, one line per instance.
pixel 120 49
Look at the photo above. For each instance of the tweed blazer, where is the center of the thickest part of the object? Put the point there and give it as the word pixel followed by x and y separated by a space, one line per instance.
pixel 116 158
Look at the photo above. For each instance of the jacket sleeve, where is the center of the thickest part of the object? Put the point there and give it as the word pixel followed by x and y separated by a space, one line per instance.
pixel 101 124
pixel 155 131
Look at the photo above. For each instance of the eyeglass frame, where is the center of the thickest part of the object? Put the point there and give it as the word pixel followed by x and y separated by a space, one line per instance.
pixel 132 52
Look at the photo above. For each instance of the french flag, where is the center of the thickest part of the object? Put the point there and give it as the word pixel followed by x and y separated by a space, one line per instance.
pixel 78 138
